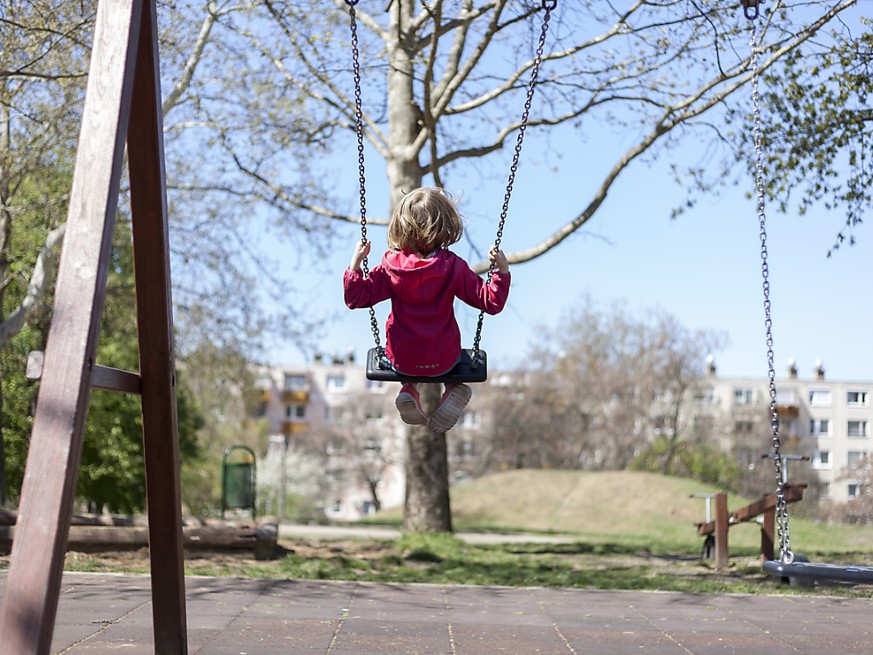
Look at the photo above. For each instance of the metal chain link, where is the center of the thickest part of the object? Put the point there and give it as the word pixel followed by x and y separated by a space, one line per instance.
pixel 548 6
pixel 384 362
pixel 785 554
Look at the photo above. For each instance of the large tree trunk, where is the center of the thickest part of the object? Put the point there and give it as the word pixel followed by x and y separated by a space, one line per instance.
pixel 427 507
pixel 427 470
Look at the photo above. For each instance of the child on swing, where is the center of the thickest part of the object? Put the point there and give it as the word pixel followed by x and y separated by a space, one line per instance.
pixel 422 278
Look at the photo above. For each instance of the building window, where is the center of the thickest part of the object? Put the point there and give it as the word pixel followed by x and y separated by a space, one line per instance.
pixel 822 460
pixel 743 395
pixel 857 429
pixel 825 490
pixel 295 411
pixel 295 382
pixel 786 397
pixel 336 382
pixel 819 397
pixel 820 427
pixel 855 457
pixel 375 386
pixel 853 489
pixel 856 398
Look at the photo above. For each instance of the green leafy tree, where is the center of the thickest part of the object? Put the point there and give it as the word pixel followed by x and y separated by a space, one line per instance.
pixel 819 129
pixel 38 208
pixel 699 459
pixel 112 472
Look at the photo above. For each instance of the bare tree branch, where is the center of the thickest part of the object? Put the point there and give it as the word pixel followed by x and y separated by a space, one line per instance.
pixel 674 116
pixel 36 289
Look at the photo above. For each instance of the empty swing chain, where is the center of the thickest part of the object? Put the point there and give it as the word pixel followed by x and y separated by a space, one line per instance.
pixel 362 178
pixel 548 6
pixel 785 554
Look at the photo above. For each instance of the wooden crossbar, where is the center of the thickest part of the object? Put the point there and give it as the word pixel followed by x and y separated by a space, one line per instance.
pixel 102 377
pixel 122 104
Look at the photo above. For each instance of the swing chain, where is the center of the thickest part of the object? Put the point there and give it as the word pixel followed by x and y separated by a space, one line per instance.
pixel 362 178
pixel 548 6
pixel 785 554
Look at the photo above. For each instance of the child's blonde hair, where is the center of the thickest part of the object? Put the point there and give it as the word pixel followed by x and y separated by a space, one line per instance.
pixel 424 221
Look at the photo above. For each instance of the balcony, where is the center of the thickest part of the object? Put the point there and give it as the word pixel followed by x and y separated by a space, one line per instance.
pixel 295 396
pixel 293 427
pixel 787 411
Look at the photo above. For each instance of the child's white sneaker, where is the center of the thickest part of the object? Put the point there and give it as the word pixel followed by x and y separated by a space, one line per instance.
pixel 409 405
pixel 454 401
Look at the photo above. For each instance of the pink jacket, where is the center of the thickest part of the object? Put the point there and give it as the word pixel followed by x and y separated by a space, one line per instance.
pixel 422 335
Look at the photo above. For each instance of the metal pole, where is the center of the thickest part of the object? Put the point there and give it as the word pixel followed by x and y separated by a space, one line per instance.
pixel 785 459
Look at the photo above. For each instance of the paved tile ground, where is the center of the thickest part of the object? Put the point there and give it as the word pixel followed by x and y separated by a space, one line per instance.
pixel 112 614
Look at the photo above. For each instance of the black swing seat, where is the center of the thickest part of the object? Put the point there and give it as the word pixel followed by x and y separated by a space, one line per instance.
pixel 814 571
pixel 464 370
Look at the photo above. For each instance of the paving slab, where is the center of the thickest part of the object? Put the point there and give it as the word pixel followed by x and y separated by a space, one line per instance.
pixel 108 614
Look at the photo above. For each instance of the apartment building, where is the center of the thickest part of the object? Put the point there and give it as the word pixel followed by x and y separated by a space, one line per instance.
pixel 827 420
pixel 331 406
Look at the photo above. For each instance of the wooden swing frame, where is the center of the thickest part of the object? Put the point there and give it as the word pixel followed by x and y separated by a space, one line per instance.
pixel 123 104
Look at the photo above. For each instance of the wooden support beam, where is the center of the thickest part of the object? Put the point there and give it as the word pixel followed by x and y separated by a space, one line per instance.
pixel 151 254
pixel 793 494
pixel 48 490
pixel 768 535
pixel 721 531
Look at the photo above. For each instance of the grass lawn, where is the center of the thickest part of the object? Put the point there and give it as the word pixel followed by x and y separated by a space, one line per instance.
pixel 630 531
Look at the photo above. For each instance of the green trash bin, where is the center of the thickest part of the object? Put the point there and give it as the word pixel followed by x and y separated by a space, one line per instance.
pixel 238 480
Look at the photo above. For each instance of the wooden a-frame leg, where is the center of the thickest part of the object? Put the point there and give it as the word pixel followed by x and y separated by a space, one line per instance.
pixel 33 583
pixel 48 490
pixel 156 357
